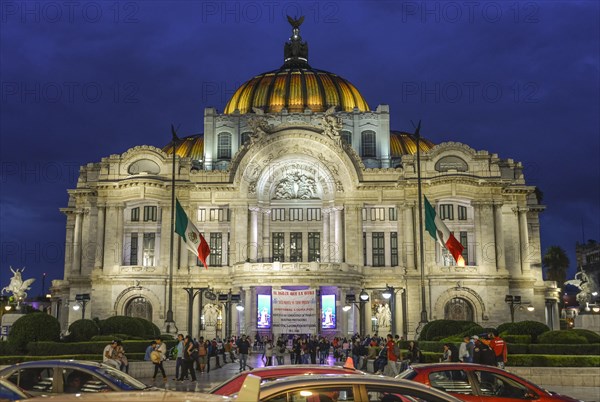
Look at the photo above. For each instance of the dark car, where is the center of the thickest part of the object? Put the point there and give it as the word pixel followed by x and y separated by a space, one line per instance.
pixel 479 383
pixel 48 377
pixel 234 384
pixel 10 392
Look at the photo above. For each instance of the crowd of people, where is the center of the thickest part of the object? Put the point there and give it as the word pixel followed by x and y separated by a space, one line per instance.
pixel 194 355
pixel 489 349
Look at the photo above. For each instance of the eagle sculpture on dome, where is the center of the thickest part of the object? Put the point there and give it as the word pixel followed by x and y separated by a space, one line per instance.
pixel 295 23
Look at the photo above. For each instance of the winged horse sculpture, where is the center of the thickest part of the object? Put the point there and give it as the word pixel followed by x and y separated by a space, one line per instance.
pixel 17 286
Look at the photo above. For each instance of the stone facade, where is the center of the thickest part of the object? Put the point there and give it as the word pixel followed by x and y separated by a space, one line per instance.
pixel 294 180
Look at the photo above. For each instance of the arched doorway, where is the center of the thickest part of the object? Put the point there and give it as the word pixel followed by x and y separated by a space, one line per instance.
pixel 458 309
pixel 139 307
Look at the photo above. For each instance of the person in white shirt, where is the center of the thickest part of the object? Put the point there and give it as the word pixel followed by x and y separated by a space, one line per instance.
pixel 108 355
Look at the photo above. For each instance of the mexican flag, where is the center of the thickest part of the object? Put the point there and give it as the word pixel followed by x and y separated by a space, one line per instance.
pixel 191 235
pixel 439 231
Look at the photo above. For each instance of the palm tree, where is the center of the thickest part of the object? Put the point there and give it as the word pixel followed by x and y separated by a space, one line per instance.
pixel 556 263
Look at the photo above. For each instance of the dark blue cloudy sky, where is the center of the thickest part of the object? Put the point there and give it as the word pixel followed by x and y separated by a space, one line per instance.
pixel 84 80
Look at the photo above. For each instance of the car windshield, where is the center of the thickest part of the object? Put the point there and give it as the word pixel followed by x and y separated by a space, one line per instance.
pixel 123 378
pixel 407 374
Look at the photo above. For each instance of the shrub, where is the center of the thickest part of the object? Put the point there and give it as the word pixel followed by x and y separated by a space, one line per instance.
pixel 7 349
pixel 122 337
pixel 520 339
pixel 591 336
pixel 505 328
pixel 532 328
pixel 33 327
pixel 83 330
pixel 150 330
pixel 61 348
pixel 553 361
pixel 120 324
pixel 439 329
pixel 562 337
pixel 473 330
pixel 565 349
pixel 518 349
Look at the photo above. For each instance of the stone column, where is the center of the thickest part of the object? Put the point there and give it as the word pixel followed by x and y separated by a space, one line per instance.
pixel 408 241
pixel 499 238
pixel 353 234
pixel 76 263
pixel 524 239
pixel 253 246
pixel 325 215
pixel 339 234
pixel 246 327
pixel 266 234
pixel 111 252
pixel 477 209
pixel 99 257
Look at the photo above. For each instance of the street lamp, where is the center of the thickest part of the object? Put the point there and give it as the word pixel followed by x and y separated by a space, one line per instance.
pixel 514 302
pixel 228 299
pixel 81 300
pixel 192 293
pixel 363 298
pixel 390 294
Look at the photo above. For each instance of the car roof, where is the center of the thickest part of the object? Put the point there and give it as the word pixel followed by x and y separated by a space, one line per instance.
pixel 146 396
pixel 350 379
pixel 302 367
pixel 57 362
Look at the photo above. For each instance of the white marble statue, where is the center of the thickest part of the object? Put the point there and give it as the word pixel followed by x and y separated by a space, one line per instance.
pixel 17 286
pixel 210 313
pixel 383 315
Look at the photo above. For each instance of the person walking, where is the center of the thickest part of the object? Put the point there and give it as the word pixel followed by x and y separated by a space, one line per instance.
pixel 179 356
pixel 244 349
pixel 158 355
pixel 280 352
pixel 190 353
pixel 268 353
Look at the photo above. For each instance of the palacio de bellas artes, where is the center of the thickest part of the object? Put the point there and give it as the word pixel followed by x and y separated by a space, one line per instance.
pixel 314 209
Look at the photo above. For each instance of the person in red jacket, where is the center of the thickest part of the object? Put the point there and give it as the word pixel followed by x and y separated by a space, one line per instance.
pixel 391 355
pixel 498 345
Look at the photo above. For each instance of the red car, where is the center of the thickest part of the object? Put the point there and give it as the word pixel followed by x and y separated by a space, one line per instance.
pixel 266 374
pixel 479 383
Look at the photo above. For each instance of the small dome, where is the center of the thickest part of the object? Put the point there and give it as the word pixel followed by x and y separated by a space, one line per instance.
pixel 402 143
pixel 188 147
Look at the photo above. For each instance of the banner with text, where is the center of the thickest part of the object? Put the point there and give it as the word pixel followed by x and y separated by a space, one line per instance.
pixel 295 311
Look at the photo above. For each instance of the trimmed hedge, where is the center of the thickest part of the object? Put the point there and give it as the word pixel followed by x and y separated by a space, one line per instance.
pixel 439 329
pixel 547 349
pixel 553 361
pixel 562 337
pixel 83 330
pixel 150 330
pixel 517 349
pixel 33 327
pixel 7 349
pixel 591 336
pixel 85 348
pixel 122 337
pixel 532 328
pixel 517 339
pixel 120 324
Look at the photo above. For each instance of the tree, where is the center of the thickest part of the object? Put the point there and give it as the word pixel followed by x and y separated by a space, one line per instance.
pixel 556 263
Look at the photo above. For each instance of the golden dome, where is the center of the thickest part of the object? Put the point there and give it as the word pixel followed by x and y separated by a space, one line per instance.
pixel 188 147
pixel 296 88
pixel 296 85
pixel 402 143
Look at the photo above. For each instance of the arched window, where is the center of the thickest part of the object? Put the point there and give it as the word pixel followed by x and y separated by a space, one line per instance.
pixel 347 137
pixel 458 309
pixel 139 307
pixel 245 138
pixel 367 145
pixel 224 146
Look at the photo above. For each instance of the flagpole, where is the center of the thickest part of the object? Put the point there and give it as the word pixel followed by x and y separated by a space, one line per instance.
pixel 421 243
pixel 170 321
